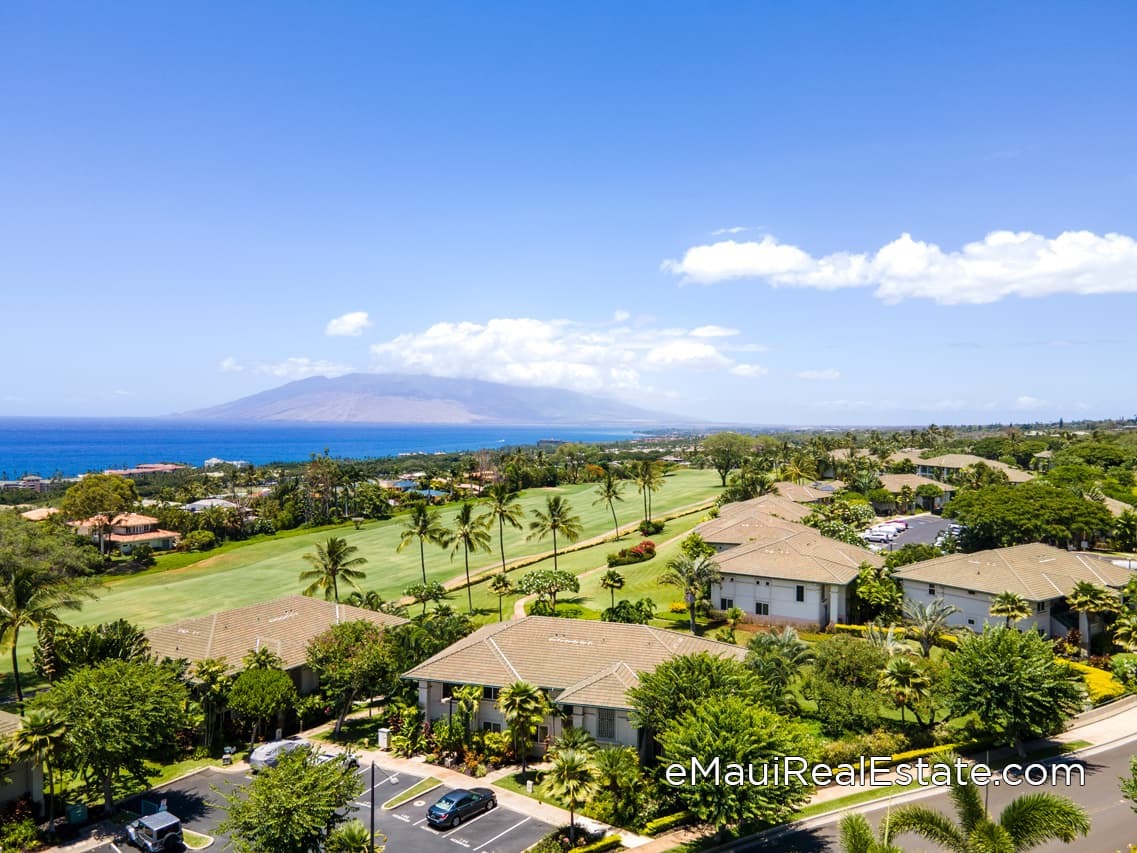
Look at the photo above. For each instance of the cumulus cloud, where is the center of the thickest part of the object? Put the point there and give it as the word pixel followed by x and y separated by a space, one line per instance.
pixel 349 325
pixel 713 332
pixel 1027 402
pixel 557 353
pixel 828 374
pixel 301 368
pixel 230 365
pixel 749 371
pixel 1004 263
pixel 621 316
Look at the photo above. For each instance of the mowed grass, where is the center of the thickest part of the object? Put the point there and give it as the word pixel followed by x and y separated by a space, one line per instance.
pixel 270 568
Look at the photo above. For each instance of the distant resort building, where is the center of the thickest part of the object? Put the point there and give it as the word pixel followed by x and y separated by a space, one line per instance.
pixel 146 468
pixel 214 462
pixel 127 531
pixel 28 483
pixel 209 503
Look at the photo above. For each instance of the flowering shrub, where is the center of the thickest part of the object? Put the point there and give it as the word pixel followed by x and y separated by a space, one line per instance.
pixel 1101 685
pixel 636 554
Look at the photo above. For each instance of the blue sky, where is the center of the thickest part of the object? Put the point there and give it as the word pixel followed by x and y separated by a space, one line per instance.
pixel 700 208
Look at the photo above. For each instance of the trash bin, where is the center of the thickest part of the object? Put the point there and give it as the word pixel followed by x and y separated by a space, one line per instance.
pixel 382 737
pixel 77 813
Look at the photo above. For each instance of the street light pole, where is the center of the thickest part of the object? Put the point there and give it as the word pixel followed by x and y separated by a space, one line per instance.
pixel 371 843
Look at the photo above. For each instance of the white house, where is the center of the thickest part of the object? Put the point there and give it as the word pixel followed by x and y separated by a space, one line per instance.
pixel 23 778
pixel 1042 574
pixel 586 668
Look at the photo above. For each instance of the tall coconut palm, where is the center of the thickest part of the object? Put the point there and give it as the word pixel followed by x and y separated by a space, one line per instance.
pixel 612 580
pixel 608 492
pixel 904 682
pixel 1011 606
pixel 29 597
pixel 648 478
pixel 929 621
pixel 40 739
pixel 692 575
pixel 1086 599
pixel 556 519
pixel 422 524
pixel 501 587
pixel 331 563
pixel 523 706
pixel 1025 823
pixel 469 533
pixel 503 506
pixel 572 779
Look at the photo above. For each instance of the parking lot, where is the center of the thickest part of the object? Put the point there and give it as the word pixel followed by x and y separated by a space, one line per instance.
pixel 500 830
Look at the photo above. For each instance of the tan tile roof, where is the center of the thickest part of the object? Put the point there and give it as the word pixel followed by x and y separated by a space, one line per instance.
pixel 1117 507
pixel 143 537
pixel 955 461
pixel 807 494
pixel 738 522
pixel 766 505
pixel 896 482
pixel 594 659
pixel 796 552
pixel 285 625
pixel 9 724
pixel 41 513
pixel 1037 572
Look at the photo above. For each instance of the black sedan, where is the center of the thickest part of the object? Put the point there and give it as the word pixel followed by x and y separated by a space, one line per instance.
pixel 459 805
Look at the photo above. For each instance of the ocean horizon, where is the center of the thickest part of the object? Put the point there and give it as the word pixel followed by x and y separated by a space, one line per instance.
pixel 72 446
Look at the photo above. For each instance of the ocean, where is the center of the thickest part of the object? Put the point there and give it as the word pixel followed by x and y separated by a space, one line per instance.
pixel 71 446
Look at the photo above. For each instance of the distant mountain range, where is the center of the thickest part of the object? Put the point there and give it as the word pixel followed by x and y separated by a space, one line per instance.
pixel 395 398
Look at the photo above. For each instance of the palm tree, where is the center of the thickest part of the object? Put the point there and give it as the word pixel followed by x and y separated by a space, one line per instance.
pixel 1086 599
pixel 1011 606
pixel 332 562
pixel 572 779
pixel 524 706
pixel 30 597
pixel 422 524
pixel 467 698
pixel 692 575
pixel 354 837
pixel 501 587
pixel 612 580
pixel 1125 631
pixel 929 621
pixel 1025 823
pixel 648 478
pixel 504 507
pixel 39 739
pixel 778 656
pixel 608 492
pixel 557 518
pixel 469 534
pixel 905 683
pixel 372 600
pixel 857 836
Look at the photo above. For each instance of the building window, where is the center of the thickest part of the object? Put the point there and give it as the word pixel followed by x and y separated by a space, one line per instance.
pixel 491 727
pixel 970 621
pixel 799 594
pixel 543 735
pixel 931 589
pixel 726 603
pixel 448 690
pixel 568 711
pixel 489 694
pixel 606 723
pixel 1040 607
pixel 761 609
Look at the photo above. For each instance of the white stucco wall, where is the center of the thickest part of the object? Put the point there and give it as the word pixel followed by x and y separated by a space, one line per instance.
pixel 974 607
pixel 781 597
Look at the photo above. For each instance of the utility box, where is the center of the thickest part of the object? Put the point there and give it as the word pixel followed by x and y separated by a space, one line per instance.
pixel 77 813
pixel 382 738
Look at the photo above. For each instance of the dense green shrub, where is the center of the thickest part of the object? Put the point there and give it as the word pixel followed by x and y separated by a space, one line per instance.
pixel 848 750
pixel 636 554
pixel 668 822
pixel 198 540
pixel 650 528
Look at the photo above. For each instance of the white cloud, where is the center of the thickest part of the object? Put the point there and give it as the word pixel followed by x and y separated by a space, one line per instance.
pixel 348 325
pixel 1004 263
pixel 230 365
pixel 302 368
pixel 557 353
pixel 621 316
pixel 1028 402
pixel 749 371
pixel 828 374
pixel 734 229
pixel 713 332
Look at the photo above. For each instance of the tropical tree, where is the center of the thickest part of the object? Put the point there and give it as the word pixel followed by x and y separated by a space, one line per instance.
pixel 905 683
pixel 469 533
pixel 1087 599
pixel 878 593
pixel 524 706
pixel 556 519
pixel 423 593
pixel 620 779
pixel 612 580
pixel 856 836
pixel 259 695
pixel 693 575
pixel 778 657
pixel 354 837
pixel 331 563
pixel 503 506
pixel 608 492
pixel 101 497
pixel 1125 631
pixel 726 451
pixel 30 596
pixel 212 681
pixel 571 778
pixel 372 600
pixel 546 584
pixel 1011 606
pixel 1026 822
pixel 423 524
pixel 40 739
pixel 648 479
pixel 929 621
pixel 1125 531
pixel 501 587
pixel 467 697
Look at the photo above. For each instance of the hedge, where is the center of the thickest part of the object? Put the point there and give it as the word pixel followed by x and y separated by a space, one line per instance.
pixel 608 842
pixel 1101 685
pixel 944 641
pixel 669 821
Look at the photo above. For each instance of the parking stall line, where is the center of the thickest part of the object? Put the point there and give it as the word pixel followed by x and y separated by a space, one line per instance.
pixel 500 834
pixel 466 823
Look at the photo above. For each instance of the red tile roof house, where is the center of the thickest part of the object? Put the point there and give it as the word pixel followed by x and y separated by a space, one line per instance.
pixel 586 668
pixel 128 530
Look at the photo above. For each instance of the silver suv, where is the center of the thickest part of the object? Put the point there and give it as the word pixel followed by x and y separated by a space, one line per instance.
pixel 267 754
pixel 156 833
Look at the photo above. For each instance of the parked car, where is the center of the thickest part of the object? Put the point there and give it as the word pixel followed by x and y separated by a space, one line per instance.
pixel 899 522
pixel 267 754
pixel 156 833
pixel 348 758
pixel 459 805
pixel 877 536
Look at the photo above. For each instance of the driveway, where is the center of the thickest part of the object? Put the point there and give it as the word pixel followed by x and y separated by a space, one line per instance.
pixel 922 530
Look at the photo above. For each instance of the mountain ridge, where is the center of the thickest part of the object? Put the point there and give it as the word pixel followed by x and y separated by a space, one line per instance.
pixel 401 398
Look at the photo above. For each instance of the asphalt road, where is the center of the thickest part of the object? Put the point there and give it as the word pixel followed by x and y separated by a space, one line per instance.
pixel 1114 824
pixel 498 831
pixel 921 530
